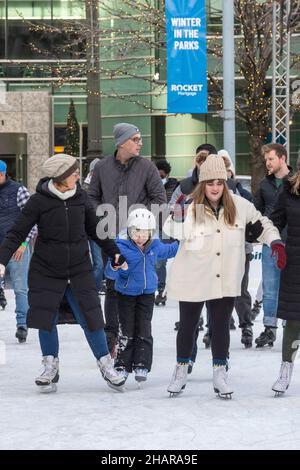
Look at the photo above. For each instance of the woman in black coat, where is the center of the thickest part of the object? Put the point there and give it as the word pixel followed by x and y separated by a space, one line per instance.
pixel 287 214
pixel 61 265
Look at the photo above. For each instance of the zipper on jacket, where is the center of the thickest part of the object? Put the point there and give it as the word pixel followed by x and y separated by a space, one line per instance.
pixel 68 230
pixel 145 279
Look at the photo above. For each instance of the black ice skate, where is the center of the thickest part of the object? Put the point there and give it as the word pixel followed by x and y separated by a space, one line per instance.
pixel 161 298
pixel 247 337
pixel 3 301
pixel 266 338
pixel 21 334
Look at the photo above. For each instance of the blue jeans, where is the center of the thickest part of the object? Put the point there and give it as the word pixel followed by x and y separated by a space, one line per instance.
pixel 270 284
pixel 97 263
pixel 18 272
pixel 161 271
pixel 96 339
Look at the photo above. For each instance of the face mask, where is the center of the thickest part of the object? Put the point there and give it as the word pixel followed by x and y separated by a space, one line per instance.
pixel 164 180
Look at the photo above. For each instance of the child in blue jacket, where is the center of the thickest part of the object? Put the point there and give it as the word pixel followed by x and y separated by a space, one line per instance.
pixel 136 288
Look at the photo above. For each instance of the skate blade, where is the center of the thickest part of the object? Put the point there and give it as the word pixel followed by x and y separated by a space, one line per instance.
pixel 277 393
pixel 49 388
pixel 223 396
pixel 175 394
pixel 260 346
pixel 116 388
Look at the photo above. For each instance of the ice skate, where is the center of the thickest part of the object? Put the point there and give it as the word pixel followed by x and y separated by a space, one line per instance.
pixel 176 325
pixel 190 367
pixel 161 298
pixel 21 334
pixel 3 301
pixel 140 374
pixel 284 379
pixel 247 337
pixel 178 380
pixel 267 337
pixel 49 377
pixel 113 378
pixel 220 382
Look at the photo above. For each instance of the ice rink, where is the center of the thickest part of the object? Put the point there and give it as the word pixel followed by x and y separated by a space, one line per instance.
pixel 86 414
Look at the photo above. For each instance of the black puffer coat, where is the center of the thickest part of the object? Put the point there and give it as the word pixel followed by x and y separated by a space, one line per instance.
pixel 287 211
pixel 61 255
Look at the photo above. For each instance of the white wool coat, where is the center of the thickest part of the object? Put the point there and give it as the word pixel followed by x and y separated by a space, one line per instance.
pixel 210 261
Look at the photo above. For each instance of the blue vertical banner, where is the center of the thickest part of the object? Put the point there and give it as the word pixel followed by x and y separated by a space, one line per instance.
pixel 186 56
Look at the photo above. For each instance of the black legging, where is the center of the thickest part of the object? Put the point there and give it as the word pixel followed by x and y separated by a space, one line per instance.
pixel 220 313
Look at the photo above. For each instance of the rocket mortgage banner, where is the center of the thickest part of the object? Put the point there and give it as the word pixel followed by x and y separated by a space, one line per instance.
pixel 186 53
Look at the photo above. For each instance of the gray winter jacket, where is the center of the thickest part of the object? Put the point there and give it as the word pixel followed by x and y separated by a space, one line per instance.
pixel 139 180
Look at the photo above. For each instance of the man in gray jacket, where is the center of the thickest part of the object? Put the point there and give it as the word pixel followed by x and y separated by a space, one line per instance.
pixel 125 174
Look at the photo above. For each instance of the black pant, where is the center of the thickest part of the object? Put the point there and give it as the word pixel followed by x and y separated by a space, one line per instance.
pixel 243 302
pixel 220 313
pixel 111 309
pixel 135 339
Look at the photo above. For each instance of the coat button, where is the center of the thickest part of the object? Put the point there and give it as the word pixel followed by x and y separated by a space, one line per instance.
pixel 236 225
pixel 218 231
pixel 218 275
pixel 218 254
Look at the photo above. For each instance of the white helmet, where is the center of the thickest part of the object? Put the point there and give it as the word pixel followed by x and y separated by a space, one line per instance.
pixel 141 219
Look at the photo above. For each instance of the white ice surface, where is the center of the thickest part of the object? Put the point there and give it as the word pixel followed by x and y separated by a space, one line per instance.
pixel 86 414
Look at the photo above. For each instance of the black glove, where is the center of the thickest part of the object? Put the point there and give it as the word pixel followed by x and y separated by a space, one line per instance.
pixel 119 263
pixel 253 231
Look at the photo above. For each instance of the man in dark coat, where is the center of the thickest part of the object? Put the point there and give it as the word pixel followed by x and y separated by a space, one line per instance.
pixel 126 177
pixel 264 200
pixel 61 265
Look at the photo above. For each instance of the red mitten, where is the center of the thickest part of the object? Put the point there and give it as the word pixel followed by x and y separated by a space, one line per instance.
pixel 278 250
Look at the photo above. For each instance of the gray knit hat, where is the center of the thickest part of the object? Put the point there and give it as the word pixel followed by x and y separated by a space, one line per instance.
pixel 124 131
pixel 213 169
pixel 60 166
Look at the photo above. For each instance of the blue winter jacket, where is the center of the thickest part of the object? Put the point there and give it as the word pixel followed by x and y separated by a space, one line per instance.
pixel 141 277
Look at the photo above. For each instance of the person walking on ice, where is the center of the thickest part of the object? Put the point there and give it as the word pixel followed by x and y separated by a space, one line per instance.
pixel 209 266
pixel 61 265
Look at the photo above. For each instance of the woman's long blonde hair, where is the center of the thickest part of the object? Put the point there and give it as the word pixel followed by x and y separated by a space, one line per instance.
pixel 295 183
pixel 199 197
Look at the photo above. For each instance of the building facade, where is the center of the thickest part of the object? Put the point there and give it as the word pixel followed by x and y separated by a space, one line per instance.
pixel 43 47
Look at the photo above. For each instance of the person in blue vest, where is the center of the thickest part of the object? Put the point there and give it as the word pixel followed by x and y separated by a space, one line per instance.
pixel 136 286
pixel 13 197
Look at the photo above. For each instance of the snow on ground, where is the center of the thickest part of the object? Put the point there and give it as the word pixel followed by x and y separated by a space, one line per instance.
pixel 86 414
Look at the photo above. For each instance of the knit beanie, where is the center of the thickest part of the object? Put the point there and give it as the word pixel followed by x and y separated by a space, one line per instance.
pixel 3 166
pixel 123 131
pixel 60 166
pixel 213 169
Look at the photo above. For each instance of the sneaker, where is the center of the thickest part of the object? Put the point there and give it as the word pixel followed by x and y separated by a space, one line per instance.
pixel 113 378
pixel 21 334
pixel 140 374
pixel 49 376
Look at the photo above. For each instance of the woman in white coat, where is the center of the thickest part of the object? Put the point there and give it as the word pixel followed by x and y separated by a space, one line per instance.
pixel 209 266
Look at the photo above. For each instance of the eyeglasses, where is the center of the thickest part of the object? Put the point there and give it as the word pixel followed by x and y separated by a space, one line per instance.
pixel 137 140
